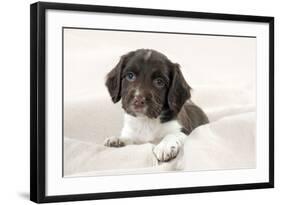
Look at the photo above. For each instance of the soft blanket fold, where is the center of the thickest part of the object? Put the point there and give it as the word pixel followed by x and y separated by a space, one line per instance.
pixel 227 142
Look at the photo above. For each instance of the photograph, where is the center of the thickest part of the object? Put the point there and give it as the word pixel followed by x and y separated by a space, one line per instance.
pixel 152 102
pixel 132 102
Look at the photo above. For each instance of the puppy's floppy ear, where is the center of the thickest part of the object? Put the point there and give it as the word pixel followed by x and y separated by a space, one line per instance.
pixel 179 90
pixel 113 78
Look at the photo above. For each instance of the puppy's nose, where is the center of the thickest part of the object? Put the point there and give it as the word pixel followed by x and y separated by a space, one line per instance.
pixel 139 100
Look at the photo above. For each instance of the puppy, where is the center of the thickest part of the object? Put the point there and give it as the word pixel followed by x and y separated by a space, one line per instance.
pixel 156 100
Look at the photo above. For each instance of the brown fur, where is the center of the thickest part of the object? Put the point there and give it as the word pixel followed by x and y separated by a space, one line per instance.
pixel 141 70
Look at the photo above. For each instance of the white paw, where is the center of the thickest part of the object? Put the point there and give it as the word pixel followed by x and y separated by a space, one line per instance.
pixel 166 150
pixel 113 142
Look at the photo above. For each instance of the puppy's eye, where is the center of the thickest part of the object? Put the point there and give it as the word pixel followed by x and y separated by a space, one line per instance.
pixel 130 76
pixel 159 82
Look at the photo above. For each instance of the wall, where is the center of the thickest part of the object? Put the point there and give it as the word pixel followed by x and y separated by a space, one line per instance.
pixel 14 104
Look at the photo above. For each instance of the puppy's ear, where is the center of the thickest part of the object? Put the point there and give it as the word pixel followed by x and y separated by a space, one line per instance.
pixel 179 90
pixel 113 78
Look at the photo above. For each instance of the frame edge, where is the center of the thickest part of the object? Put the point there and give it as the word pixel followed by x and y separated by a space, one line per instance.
pixel 33 103
pixel 271 102
pixel 153 12
pixel 37 102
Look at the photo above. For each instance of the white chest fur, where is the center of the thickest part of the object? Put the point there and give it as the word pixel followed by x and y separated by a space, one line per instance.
pixel 143 129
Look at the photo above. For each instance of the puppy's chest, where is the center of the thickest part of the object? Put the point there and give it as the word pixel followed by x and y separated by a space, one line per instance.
pixel 143 130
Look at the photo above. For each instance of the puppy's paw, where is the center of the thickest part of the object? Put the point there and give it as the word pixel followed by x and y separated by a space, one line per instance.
pixel 113 142
pixel 166 150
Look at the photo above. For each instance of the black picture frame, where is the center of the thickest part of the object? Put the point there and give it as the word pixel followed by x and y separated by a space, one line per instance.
pixel 38 103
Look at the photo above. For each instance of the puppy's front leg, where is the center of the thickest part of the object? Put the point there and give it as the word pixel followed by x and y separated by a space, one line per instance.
pixel 169 147
pixel 117 141
pixel 125 138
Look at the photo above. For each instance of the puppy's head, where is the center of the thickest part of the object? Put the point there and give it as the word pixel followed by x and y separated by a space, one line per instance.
pixel 148 83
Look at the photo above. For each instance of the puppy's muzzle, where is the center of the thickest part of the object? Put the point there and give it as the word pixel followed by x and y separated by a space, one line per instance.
pixel 139 101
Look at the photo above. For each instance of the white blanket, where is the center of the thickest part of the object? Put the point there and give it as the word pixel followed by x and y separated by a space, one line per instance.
pixel 227 142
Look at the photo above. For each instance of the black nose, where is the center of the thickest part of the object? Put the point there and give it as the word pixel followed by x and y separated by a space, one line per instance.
pixel 139 100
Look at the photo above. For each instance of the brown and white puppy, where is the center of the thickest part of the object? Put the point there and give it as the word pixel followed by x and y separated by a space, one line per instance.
pixel 156 100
